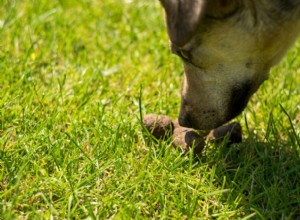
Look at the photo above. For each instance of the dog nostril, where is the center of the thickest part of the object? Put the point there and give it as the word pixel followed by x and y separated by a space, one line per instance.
pixel 185 121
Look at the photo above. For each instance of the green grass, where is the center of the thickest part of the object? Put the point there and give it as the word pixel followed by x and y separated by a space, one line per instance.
pixel 71 144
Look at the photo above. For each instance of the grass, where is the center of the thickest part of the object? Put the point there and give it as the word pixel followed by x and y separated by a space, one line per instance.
pixel 71 144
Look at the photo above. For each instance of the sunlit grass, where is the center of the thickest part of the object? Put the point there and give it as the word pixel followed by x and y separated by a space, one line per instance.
pixel 71 144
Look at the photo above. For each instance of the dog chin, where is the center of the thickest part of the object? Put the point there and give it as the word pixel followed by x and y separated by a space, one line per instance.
pixel 207 126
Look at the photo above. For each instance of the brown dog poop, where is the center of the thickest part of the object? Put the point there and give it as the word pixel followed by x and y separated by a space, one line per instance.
pixel 162 127
pixel 187 138
pixel 232 131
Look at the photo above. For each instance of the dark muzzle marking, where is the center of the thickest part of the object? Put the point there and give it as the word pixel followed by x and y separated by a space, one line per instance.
pixel 239 98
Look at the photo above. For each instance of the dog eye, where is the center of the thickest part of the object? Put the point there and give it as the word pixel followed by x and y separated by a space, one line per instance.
pixel 184 54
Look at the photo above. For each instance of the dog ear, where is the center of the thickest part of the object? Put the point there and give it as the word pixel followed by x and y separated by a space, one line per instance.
pixel 182 18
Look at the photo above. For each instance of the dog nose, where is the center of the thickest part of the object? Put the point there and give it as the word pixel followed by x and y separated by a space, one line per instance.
pixel 185 121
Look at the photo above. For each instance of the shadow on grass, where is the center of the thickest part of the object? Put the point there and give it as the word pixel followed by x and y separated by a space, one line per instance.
pixel 262 178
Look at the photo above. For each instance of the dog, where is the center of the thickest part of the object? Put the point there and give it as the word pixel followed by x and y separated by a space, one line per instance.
pixel 227 48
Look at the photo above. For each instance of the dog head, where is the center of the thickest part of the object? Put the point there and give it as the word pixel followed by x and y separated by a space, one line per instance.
pixel 227 48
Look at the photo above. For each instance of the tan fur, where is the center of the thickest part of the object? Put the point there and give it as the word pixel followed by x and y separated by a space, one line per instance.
pixel 230 54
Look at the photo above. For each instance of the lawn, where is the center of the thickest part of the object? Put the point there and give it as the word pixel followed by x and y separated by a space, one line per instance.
pixel 74 76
